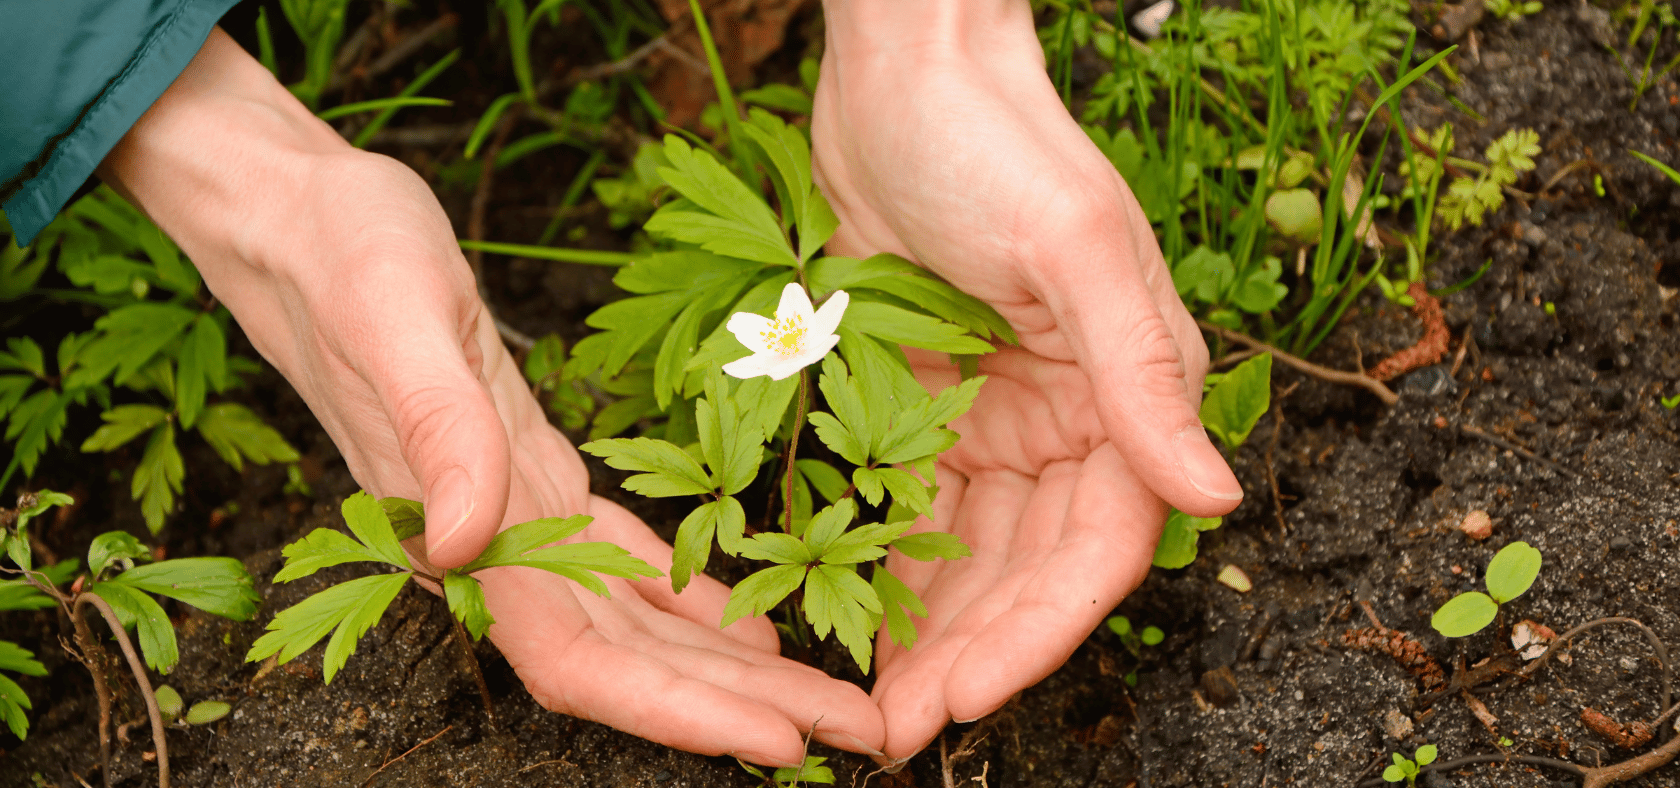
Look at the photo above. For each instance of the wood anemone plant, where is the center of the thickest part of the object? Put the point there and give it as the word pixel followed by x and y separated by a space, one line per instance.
pixel 119 584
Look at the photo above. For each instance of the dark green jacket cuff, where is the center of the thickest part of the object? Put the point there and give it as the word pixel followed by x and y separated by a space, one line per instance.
pixel 79 74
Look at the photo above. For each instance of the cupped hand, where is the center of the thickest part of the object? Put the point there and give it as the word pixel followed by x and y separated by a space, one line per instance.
pixel 344 272
pixel 938 136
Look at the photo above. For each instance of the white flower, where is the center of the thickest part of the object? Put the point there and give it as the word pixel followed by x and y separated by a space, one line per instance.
pixel 794 340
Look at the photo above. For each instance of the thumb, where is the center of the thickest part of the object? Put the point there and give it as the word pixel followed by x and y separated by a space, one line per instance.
pixel 450 435
pixel 1147 380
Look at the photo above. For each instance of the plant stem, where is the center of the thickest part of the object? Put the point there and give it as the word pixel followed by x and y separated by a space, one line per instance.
pixel 793 446
pixel 139 670
pixel 101 691
pixel 1366 382
pixel 477 670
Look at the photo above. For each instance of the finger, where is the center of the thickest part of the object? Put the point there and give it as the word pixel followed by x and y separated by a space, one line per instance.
pixel 1147 401
pixel 702 601
pixel 427 376
pixel 1103 553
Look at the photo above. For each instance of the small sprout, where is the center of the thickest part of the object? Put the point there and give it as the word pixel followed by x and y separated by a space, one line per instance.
pixel 1477 525
pixel 1235 578
pixel 1671 402
pixel 1509 575
pixel 1152 636
pixel 1296 214
pixel 169 702
pixel 1405 769
pixel 1551 309
pixel 205 712
pixel 1598 185
pixel 1505 741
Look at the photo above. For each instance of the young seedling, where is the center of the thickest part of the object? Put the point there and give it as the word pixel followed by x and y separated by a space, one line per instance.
pixel 1233 405
pixel 1406 769
pixel 1509 575
pixel 175 710
pixel 811 771
pixel 1135 641
pixel 1513 10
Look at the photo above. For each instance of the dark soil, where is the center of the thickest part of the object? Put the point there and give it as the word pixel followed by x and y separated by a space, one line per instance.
pixel 1248 689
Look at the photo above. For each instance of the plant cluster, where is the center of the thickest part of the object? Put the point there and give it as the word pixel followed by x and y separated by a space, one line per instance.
pixel 1407 769
pixel 1512 10
pixel 152 361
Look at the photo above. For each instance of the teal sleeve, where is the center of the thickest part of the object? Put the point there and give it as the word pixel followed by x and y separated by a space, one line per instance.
pixel 76 75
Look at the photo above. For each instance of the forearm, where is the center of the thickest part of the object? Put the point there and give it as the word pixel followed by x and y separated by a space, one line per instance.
pixel 906 31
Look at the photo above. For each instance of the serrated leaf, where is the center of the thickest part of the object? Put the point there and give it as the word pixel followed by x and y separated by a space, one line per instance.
pixel 582 561
pixel 763 402
pixel 864 543
pixel 323 547
pixel 237 435
pixel 732 446
pixel 525 537
pixel 919 431
pixel 18 659
pixel 882 372
pixel 1512 571
pixel 1465 614
pixel 158 477
pixel 680 341
pixel 123 423
pixel 152 628
pixel 127 339
pixel 898 604
pixel 1179 535
pixel 739 223
pixel 631 324
pixel 112 547
pixel 761 591
pixel 1237 402
pixel 347 610
pixel 24 355
pixel 34 423
pixel 13 388
pixel 929 545
pixel 837 599
pixel 205 712
pixel 20 595
pixel 907 490
pixel 778 547
pixel 828 481
pixel 817 224
pixel 545 359
pixel 366 519
pixel 868 484
pixel 904 327
pixel 214 584
pixel 837 438
pixel 13 702
pixel 693 547
pixel 203 367
pixel 827 525
pixel 408 517
pixel 466 602
pixel 669 471
pixel 790 158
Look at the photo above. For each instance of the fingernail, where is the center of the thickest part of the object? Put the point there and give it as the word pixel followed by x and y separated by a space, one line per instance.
pixel 965 722
pixel 896 766
pixel 1203 465
pixel 452 499
pixel 763 760
pixel 847 741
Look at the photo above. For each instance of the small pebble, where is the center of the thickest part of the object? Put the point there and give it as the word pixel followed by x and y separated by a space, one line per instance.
pixel 1621 544
pixel 1235 578
pixel 1477 525
pixel 1398 726
pixel 1629 664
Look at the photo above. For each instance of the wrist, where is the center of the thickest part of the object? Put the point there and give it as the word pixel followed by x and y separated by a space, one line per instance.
pixel 220 159
pixel 906 31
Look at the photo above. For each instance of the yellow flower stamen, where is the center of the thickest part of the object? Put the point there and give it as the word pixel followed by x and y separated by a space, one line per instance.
pixel 786 336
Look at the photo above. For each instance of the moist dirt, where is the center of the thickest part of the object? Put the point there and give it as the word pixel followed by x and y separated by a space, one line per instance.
pixel 1551 423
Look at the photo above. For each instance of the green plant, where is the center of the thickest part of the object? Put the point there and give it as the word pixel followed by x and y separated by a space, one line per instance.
pixel 175 710
pixel 1661 167
pixel 811 771
pixel 1135 640
pixel 1468 199
pixel 120 583
pixel 1407 769
pixel 1233 405
pixel 161 340
pixel 1509 575
pixel 348 610
pixel 1671 402
pixel 1643 13
pixel 1512 10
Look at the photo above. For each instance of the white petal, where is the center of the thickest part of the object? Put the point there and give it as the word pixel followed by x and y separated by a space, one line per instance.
pixel 795 302
pixel 752 366
pixel 828 316
pixel 750 329
pixel 779 367
pixel 814 352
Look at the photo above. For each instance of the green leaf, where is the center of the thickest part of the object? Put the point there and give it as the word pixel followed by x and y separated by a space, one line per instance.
pixel 169 701
pixel 158 477
pixel 14 387
pixel 581 561
pixel 817 224
pixel 882 372
pixel 1393 773
pixel 366 519
pixel 837 598
pixel 1179 535
pixel 907 490
pixel 836 437
pixel 928 545
pixel 323 547
pixel 914 286
pixel 1231 410
pixel 113 547
pixel 777 96
pixel 1512 571
pixel 18 659
pixel 123 423
pixel 545 359
pixel 828 481
pixel 693 547
pixel 506 547
pixel 736 221
pixel 237 435
pixel 1425 755
pixel 1465 614
pixel 135 609
pixel 918 431
pixel 864 543
pixel 790 158
pixel 669 471
pixel 778 547
pixel 763 402
pixel 127 339
pixel 898 604
pixel 34 423
pixel 828 524
pixel 24 355
pixel 868 484
pixel 761 591
pixel 205 712
pixel 680 341
pixel 408 518
pixel 13 702
pixel 812 769
pixel 18 594
pixel 732 446
pixel 466 601
pixel 904 327
pixel 214 584
pixel 1151 636
pixel 203 367
pixel 347 610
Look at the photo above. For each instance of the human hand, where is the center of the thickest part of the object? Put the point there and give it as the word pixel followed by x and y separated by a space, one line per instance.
pixel 344 272
pixel 938 136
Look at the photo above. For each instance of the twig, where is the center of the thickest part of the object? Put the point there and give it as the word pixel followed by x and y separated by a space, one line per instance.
pixel 1429 348
pixel 1631 768
pixel 89 655
pixel 399 52
pixel 462 638
pixel 1514 448
pixel 1234 358
pixel 1366 382
pixel 513 336
pixel 633 59
pixel 481 194
pixel 387 764
pixel 1656 646
pixel 139 670
pixel 1271 470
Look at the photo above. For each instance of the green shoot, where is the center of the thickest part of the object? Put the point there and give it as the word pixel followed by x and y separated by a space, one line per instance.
pixel 1509 575
pixel 1406 769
